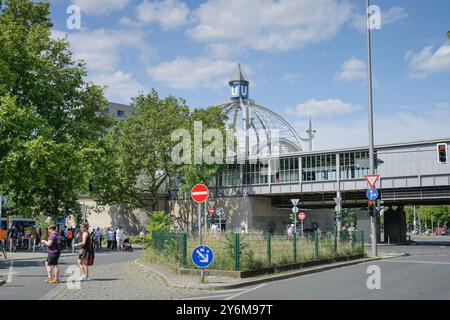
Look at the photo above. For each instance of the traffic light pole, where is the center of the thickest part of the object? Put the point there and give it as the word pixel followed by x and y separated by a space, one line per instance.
pixel 373 218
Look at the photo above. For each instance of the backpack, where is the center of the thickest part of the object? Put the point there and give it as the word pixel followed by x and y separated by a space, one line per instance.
pixel 61 242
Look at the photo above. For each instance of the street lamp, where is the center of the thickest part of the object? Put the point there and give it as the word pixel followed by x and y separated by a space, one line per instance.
pixel 373 218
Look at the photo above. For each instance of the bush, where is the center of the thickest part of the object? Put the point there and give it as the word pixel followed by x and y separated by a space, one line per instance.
pixel 159 221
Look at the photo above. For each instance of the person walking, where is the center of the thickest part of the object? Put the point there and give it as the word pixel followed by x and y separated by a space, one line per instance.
pixel 119 237
pixel 97 238
pixel 69 237
pixel 86 251
pixel 109 238
pixel 51 264
pixel 12 237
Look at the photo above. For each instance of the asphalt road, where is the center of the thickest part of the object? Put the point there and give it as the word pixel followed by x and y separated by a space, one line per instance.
pixel 421 275
pixel 28 276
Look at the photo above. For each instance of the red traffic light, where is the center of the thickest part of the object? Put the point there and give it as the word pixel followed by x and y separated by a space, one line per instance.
pixel 370 203
pixel 441 147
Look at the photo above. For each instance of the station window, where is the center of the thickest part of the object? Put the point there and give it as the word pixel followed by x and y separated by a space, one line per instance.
pixel 319 167
pixel 120 114
pixel 284 170
pixel 354 165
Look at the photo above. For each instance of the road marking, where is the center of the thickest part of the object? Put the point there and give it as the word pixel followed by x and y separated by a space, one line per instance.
pixel 416 261
pixel 207 297
pixel 246 291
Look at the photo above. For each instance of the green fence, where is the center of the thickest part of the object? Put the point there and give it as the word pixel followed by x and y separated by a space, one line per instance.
pixel 234 251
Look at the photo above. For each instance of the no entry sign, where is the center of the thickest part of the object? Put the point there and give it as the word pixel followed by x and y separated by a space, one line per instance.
pixel 199 193
pixel 211 211
pixel 301 215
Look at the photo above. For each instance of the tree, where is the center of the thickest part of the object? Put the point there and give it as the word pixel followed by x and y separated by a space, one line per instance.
pixel 448 35
pixel 52 116
pixel 138 151
pixel 193 173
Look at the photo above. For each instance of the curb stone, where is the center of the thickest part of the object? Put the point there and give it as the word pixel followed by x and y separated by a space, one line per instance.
pixel 2 282
pixel 264 279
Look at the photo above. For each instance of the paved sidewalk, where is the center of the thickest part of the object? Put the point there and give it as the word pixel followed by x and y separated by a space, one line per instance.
pixel 29 255
pixel 222 283
pixel 119 281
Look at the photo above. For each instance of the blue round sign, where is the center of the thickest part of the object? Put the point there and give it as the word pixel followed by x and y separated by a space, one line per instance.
pixel 372 194
pixel 202 256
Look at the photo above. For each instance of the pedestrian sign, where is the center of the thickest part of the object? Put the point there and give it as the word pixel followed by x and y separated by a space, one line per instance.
pixel 372 194
pixel 202 256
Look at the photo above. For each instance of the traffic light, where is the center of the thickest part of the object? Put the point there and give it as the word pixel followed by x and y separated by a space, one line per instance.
pixel 371 208
pixel 442 152
pixel 292 216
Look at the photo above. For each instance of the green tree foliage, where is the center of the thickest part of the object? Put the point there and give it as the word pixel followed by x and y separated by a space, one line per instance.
pixel 50 120
pixel 138 151
pixel 137 157
pixel 211 118
pixel 159 221
pixel 427 213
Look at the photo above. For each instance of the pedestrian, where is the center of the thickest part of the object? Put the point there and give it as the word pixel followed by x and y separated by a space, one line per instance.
pixel 86 250
pixel 97 238
pixel 12 237
pixel 119 237
pixel 291 231
pixel 114 244
pixel 214 229
pixel 69 237
pixel 51 264
pixel 109 237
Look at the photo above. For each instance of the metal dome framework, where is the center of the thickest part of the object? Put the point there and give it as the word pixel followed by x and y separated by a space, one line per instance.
pixel 268 132
pixel 259 130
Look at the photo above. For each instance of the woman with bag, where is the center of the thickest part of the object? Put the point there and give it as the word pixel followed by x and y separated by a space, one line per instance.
pixel 86 253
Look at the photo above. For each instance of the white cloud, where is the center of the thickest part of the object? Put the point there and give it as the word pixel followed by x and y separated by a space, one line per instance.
pixel 99 7
pixel 388 128
pixel 352 69
pixel 184 73
pixel 427 62
pixel 268 24
pixel 388 17
pixel 121 86
pixel 102 49
pixel 169 14
pixel 290 78
pixel 323 108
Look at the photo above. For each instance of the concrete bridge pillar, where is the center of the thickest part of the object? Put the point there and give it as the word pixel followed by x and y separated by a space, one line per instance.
pixel 395 225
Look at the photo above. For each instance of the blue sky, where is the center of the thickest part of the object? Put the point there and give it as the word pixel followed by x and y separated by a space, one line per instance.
pixel 302 56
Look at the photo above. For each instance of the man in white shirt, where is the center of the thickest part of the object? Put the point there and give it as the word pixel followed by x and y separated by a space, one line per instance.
pixel 119 237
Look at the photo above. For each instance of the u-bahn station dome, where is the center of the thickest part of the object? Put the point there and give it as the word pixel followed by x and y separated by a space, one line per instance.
pixel 268 132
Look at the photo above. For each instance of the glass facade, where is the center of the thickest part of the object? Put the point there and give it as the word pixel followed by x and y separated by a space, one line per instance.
pixel 256 173
pixel 284 170
pixel 354 165
pixel 319 167
pixel 230 176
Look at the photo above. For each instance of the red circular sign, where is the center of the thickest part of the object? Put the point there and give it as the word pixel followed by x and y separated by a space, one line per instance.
pixel 211 210
pixel 301 216
pixel 199 193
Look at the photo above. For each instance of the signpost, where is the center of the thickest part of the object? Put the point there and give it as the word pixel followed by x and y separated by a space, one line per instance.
pixel 202 257
pixel 294 212
pixel 199 194
pixel 372 195
pixel 302 217
pixel 338 209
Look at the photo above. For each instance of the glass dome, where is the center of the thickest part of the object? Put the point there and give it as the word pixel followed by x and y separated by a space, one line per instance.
pixel 268 132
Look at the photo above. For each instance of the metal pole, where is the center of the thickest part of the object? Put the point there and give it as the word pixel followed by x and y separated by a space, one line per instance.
pixel 199 209
pixel 415 220
pixel 371 140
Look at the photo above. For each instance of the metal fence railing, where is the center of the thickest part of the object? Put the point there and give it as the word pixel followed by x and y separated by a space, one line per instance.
pixel 250 251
